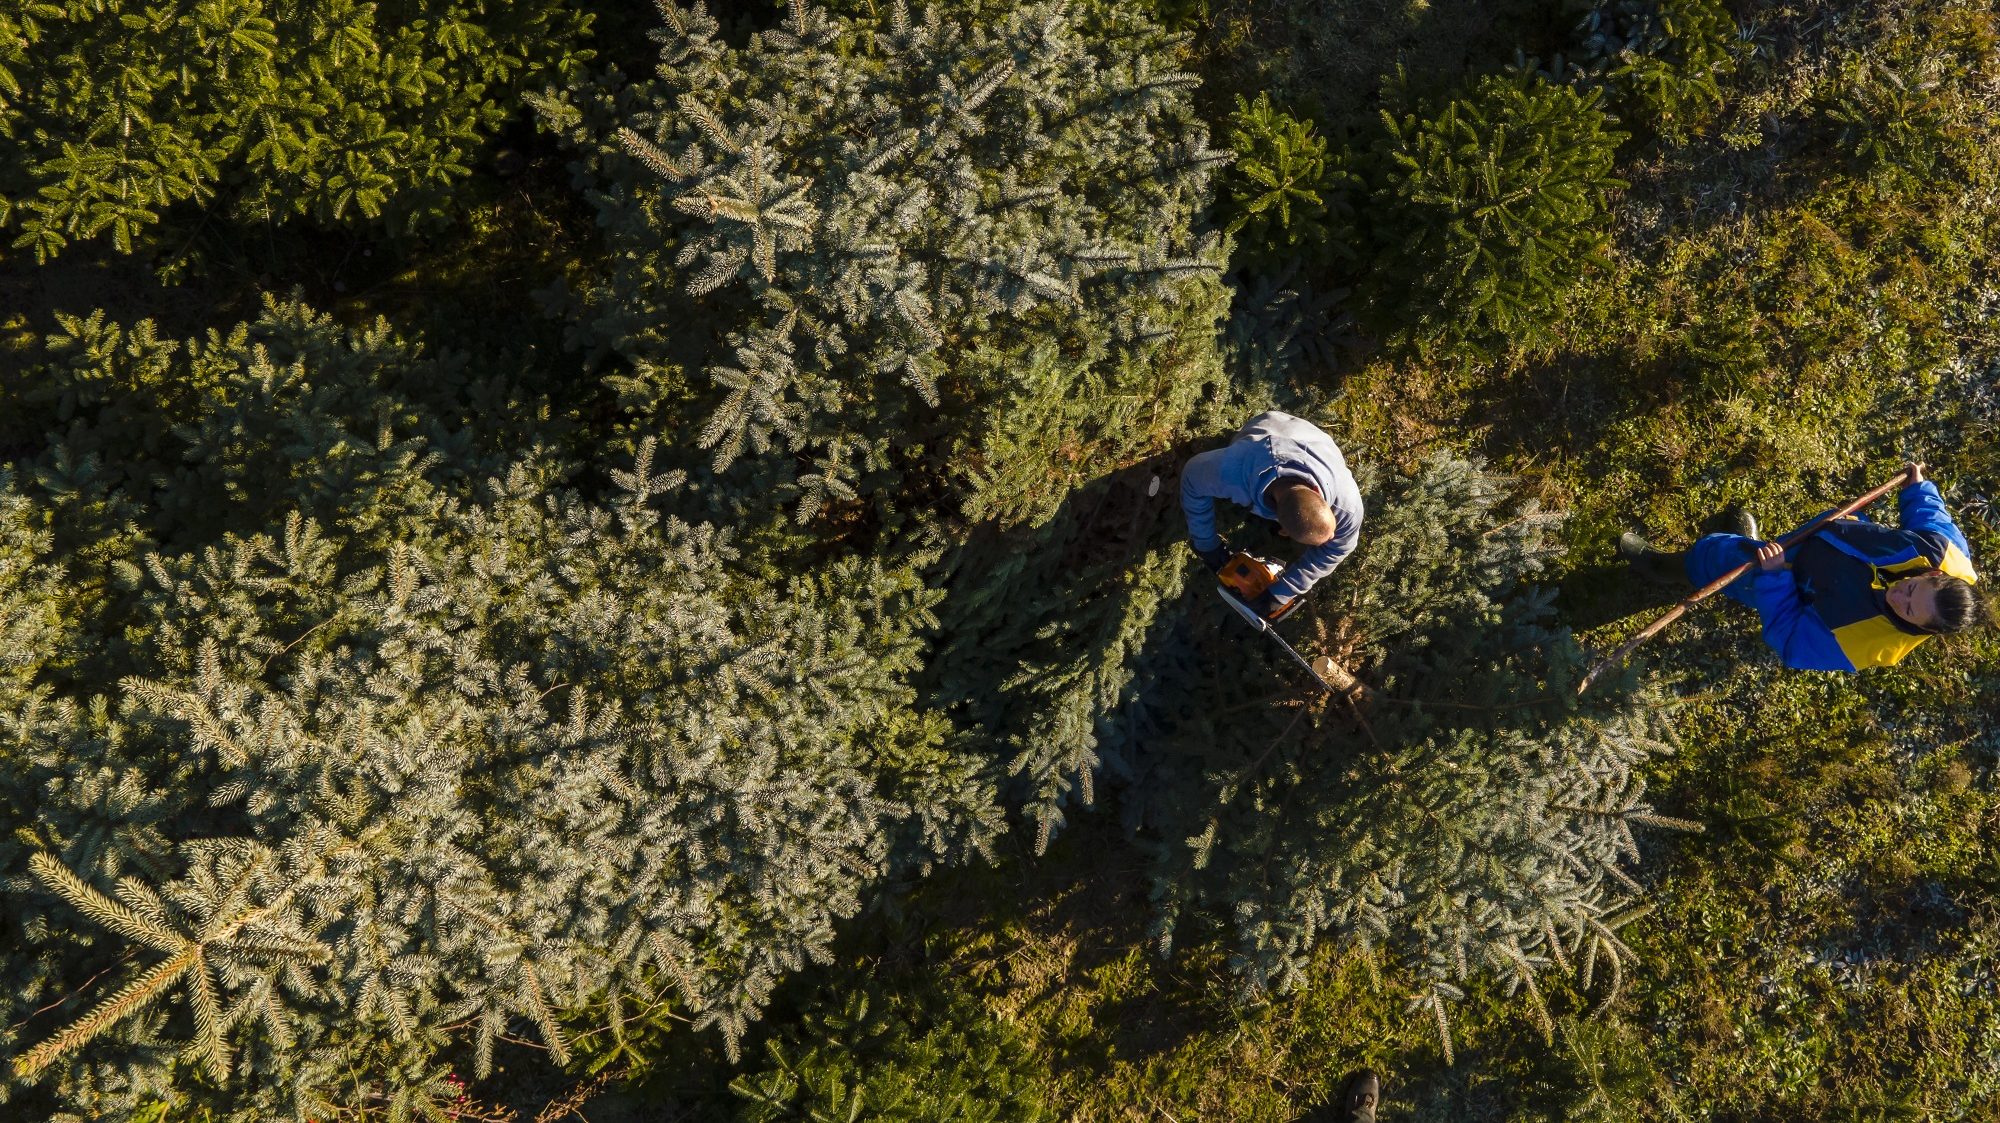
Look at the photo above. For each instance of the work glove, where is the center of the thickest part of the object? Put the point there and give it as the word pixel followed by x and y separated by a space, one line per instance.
pixel 1215 558
pixel 1271 608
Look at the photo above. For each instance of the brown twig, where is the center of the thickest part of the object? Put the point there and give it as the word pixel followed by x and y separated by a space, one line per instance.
pixel 567 1104
pixel 33 1014
pixel 301 638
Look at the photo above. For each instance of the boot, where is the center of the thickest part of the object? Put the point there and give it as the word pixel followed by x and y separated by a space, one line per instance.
pixel 1733 519
pixel 1744 523
pixel 1363 1093
pixel 1658 566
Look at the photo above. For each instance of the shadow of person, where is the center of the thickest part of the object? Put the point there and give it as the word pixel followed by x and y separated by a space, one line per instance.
pixel 1603 592
pixel 1015 592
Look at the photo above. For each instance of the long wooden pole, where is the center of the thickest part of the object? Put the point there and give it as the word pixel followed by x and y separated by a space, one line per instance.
pixel 1624 650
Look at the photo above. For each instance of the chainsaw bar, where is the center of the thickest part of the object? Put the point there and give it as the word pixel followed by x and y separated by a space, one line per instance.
pixel 1264 626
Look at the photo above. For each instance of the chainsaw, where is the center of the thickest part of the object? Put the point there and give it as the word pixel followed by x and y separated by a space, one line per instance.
pixel 1244 578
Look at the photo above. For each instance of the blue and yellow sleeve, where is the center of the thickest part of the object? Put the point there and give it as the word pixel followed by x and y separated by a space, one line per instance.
pixel 1922 509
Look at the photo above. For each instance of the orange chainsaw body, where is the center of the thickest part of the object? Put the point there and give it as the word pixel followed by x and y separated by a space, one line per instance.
pixel 1248 575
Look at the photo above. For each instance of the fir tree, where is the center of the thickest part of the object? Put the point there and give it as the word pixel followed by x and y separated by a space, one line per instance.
pixel 1902 127
pixel 210 434
pixel 950 253
pixel 466 758
pixel 31 605
pixel 1490 207
pixel 1663 60
pixel 1286 195
pixel 1476 818
pixel 115 111
pixel 164 444
pixel 897 1058
pixel 1283 327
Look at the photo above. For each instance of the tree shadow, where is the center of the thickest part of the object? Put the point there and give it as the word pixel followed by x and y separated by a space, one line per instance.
pixel 1338 52
pixel 1479 1087
pixel 1016 594
pixel 1078 919
pixel 1082 915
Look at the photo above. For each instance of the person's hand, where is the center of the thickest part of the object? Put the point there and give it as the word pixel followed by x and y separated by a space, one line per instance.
pixel 1915 470
pixel 1215 558
pixel 1770 557
pixel 1273 609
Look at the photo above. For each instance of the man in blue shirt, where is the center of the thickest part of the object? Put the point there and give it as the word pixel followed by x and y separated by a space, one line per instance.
pixel 1284 469
pixel 1854 594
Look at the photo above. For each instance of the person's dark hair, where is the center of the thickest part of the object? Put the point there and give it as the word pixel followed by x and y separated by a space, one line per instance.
pixel 1956 605
pixel 1304 514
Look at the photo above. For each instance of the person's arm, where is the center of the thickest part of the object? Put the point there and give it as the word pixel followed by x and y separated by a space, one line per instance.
pixel 1793 630
pixel 1201 483
pixel 1922 508
pixel 1310 567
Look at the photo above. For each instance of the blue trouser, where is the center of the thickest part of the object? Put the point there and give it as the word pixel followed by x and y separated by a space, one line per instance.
pixel 1717 554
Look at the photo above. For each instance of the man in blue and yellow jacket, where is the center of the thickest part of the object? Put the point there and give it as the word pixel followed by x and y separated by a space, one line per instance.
pixel 1855 594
